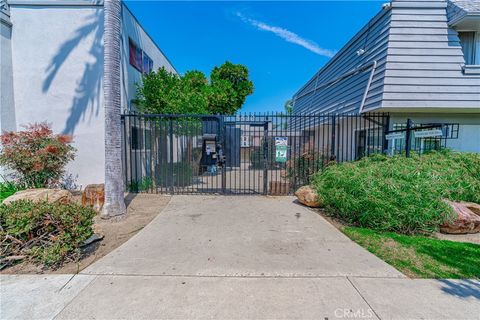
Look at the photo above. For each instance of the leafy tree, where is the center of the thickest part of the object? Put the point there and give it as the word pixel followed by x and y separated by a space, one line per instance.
pixel 231 80
pixel 166 93
pixel 288 106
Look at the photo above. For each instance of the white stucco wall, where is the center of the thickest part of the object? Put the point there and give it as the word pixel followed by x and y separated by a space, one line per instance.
pixel 469 127
pixel 132 29
pixel 57 70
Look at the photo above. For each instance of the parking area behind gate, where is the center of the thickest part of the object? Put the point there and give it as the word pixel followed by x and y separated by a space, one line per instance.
pixel 270 154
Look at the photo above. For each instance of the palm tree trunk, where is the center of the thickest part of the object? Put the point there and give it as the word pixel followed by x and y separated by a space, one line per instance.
pixel 114 187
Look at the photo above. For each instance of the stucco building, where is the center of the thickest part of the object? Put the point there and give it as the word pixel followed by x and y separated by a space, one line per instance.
pixel 52 58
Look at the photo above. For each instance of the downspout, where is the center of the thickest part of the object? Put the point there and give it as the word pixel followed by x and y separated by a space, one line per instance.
pixel 374 66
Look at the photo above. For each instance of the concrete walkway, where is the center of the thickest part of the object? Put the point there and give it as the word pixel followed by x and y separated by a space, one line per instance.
pixel 238 258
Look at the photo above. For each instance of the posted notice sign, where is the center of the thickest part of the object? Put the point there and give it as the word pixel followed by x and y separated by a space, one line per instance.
pixel 281 141
pixel 281 144
pixel 281 154
pixel 428 133
pixel 396 135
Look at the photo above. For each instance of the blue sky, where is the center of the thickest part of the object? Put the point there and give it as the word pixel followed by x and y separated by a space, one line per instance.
pixel 282 43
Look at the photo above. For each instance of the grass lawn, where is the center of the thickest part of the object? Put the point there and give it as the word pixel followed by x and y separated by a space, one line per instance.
pixel 420 257
pixel 6 190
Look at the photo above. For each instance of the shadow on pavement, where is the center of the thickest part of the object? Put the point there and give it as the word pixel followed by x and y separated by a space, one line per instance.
pixel 462 288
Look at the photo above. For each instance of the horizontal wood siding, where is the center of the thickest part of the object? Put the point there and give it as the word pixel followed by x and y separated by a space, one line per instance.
pixel 346 94
pixel 419 64
pixel 424 62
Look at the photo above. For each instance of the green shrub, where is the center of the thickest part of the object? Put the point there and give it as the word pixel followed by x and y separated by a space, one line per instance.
pixel 47 233
pixel 397 193
pixel 36 154
pixel 257 157
pixel 144 184
pixel 301 168
pixel 7 189
pixel 182 174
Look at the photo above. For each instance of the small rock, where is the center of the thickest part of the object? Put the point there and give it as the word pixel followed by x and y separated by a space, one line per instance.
pixel 308 196
pixel 466 219
pixel 93 238
pixel 94 196
pixel 42 194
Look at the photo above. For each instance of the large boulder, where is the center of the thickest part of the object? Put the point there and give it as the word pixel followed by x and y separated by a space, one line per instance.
pixel 37 195
pixel 308 196
pixel 466 218
pixel 94 196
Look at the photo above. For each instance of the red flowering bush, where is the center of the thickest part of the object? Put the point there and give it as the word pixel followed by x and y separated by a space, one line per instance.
pixel 36 154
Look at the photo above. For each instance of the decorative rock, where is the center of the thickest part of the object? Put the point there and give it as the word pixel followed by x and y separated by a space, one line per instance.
pixel 93 238
pixel 37 195
pixel 94 196
pixel 308 196
pixel 467 218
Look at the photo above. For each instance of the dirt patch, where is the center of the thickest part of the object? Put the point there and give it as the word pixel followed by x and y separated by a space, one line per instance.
pixel 141 209
pixel 471 237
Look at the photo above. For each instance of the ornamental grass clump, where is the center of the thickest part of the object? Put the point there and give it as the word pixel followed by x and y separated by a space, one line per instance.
pixel 44 233
pixel 399 194
pixel 37 156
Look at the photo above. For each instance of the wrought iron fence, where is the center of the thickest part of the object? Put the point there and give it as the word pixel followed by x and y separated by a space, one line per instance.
pixel 242 154
pixel 420 137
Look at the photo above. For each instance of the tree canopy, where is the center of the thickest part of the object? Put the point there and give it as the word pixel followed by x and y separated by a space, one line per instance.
pixel 167 93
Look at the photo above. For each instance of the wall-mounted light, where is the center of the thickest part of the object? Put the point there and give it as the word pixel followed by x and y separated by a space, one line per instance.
pixel 360 52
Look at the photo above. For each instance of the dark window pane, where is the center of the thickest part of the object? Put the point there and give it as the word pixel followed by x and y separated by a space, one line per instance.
pixel 132 50
pixel 467 41
pixel 146 63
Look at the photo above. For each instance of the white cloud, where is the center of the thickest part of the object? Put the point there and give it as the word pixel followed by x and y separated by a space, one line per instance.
pixel 288 36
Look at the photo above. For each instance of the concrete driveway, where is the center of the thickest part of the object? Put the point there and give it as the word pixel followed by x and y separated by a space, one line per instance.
pixel 240 236
pixel 241 258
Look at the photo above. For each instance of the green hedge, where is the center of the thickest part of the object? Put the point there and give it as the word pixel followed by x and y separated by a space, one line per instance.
pixel 47 233
pixel 399 194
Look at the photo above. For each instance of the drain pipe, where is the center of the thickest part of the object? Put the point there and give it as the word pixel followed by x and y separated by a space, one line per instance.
pixel 374 66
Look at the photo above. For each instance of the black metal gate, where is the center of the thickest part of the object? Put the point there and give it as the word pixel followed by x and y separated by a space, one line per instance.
pixel 244 154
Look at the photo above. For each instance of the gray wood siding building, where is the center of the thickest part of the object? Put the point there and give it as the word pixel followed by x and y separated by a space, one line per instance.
pixel 407 61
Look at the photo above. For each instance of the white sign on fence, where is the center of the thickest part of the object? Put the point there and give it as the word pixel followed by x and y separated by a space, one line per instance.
pixel 428 133
pixel 396 135
pixel 245 141
pixel 281 141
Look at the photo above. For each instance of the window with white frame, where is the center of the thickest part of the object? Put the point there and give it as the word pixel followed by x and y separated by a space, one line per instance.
pixel 470 42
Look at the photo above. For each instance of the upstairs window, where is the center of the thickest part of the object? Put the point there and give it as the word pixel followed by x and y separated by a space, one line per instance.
pixel 470 42
pixel 147 64
pixel 139 59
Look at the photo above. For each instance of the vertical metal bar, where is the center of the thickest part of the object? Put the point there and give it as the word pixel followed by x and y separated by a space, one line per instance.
pixel 265 159
pixel 408 142
pixel 135 127
pixel 129 129
pixel 155 151
pixel 171 177
pixel 332 146
pixel 224 144
pixel 141 152
pixel 125 168
pixel 346 148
